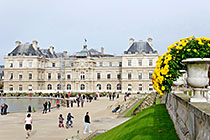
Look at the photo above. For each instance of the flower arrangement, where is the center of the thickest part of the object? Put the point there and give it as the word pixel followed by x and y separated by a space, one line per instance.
pixel 168 65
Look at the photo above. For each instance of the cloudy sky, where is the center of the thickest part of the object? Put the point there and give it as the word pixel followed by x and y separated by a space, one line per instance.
pixel 105 23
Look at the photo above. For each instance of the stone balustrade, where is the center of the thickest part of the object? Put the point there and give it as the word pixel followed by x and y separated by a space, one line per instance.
pixel 191 120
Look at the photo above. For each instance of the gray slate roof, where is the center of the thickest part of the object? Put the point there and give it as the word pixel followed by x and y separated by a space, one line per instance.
pixel 28 50
pixel 25 49
pixel 140 47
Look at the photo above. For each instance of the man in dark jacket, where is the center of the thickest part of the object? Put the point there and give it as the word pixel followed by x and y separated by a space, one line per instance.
pixel 87 123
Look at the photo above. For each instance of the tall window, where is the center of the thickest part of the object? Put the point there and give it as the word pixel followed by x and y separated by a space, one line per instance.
pixel 108 76
pixel 20 87
pixel 72 64
pixel 10 87
pixel 129 62
pixel 11 65
pixel 29 87
pixel 118 86
pixel 120 64
pixel 20 64
pixel 98 86
pixel 58 86
pixel 53 64
pixel 118 76
pixel 49 76
pixel 108 87
pixel 140 87
pixel 98 76
pixel 110 64
pixel 150 62
pixel 29 75
pixel 30 64
pixel 82 76
pixel 68 76
pixel 140 75
pixel 11 76
pixel 150 87
pixel 49 87
pixel 150 75
pixel 68 87
pixel 140 62
pixel 20 76
pixel 100 64
pixel 59 76
pixel 129 75
pixel 129 87
pixel 82 87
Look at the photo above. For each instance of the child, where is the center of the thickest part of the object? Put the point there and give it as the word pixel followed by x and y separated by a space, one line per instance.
pixel 60 119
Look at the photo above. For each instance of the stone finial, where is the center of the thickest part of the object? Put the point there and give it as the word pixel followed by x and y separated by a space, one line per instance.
pixel 17 43
pixel 35 43
pixel 149 41
pixel 102 50
pixel 51 49
pixel 64 53
pixel 131 40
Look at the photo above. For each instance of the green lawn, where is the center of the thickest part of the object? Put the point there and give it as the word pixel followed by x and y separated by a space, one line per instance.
pixel 133 108
pixel 157 100
pixel 153 123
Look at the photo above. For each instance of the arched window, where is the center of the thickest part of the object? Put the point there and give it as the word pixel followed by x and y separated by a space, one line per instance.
pixel 82 87
pixel 118 86
pixel 58 87
pixel 108 87
pixel 29 87
pixel 49 87
pixel 68 87
pixel 98 86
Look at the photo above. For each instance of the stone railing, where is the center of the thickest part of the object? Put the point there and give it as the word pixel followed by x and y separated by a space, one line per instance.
pixel 191 120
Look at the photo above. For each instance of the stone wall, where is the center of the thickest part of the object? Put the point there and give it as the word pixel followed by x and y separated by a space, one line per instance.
pixel 191 120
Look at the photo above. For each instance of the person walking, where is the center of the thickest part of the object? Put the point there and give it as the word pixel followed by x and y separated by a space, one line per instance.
pixel 82 102
pixel 2 109
pixel 28 125
pixel 49 105
pixel 69 121
pixel 57 103
pixel 87 123
pixel 29 108
pixel 60 120
pixel 5 108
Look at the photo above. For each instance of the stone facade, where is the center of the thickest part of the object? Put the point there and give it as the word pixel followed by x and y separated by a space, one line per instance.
pixel 191 120
pixel 31 69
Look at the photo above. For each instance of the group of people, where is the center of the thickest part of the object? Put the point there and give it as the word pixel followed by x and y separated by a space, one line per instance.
pixel 112 96
pixel 69 122
pixel 45 105
pixel 4 108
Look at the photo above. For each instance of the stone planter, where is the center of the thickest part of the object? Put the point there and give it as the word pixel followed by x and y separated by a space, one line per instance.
pixel 180 81
pixel 197 76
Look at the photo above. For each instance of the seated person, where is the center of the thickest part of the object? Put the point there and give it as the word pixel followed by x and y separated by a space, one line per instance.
pixel 116 109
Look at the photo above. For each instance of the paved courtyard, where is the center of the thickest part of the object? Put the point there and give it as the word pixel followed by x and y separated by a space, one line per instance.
pixel 45 126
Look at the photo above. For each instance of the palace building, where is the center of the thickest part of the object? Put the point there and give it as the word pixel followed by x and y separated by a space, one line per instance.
pixel 30 69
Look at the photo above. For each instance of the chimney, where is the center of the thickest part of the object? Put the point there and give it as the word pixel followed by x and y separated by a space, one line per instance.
pixel 131 41
pixel 102 51
pixel 64 53
pixel 35 43
pixel 51 49
pixel 17 43
pixel 149 40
